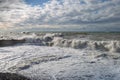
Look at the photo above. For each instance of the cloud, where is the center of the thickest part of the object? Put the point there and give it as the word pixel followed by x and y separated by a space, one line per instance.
pixel 15 12
pixel 59 12
pixel 78 12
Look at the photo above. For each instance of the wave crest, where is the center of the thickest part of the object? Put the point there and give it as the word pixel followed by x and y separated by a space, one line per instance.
pixel 59 40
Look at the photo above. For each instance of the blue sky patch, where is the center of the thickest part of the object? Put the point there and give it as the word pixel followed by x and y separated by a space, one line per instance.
pixel 105 0
pixel 82 2
pixel 36 2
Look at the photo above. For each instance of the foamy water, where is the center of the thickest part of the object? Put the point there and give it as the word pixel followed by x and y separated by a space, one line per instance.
pixel 60 57
pixel 81 41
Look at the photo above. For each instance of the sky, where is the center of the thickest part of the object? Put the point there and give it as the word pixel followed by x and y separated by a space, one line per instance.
pixel 60 15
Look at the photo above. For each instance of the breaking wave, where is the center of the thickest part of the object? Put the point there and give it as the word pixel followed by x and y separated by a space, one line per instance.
pixel 58 40
pixel 111 46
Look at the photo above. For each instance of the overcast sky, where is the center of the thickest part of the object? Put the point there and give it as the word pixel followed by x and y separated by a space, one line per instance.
pixel 78 15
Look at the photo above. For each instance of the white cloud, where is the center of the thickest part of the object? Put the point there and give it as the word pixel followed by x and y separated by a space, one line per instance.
pixel 15 12
pixel 59 12
pixel 78 11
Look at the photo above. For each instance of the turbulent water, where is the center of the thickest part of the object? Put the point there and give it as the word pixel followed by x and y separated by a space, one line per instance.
pixel 81 41
pixel 61 56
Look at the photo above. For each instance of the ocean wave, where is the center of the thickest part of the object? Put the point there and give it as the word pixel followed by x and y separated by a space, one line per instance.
pixel 112 46
pixel 59 40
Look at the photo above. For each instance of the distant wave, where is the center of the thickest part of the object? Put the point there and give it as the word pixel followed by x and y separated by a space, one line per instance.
pixel 58 40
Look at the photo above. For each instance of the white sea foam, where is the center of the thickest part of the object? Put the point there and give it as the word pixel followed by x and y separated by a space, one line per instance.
pixel 55 63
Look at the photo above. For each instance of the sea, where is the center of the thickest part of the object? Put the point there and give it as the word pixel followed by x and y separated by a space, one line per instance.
pixel 61 55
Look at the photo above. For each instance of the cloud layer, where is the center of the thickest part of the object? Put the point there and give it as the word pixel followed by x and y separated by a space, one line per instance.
pixel 59 12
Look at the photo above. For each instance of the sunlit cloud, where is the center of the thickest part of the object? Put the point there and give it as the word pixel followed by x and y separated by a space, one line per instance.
pixel 5 25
